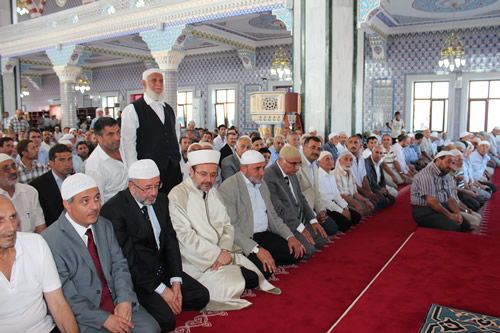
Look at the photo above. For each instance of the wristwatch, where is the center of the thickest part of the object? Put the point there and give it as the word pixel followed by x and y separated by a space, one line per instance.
pixel 256 249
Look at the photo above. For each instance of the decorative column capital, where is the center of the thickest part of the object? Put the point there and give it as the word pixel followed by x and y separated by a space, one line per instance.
pixel 8 65
pixel 67 73
pixel 168 60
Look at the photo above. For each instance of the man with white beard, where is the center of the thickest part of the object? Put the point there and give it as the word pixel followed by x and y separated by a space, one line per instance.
pixel 148 131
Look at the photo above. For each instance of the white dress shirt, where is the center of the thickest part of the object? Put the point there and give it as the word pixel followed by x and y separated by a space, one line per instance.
pixel 400 157
pixel 29 211
pixel 358 170
pixel 219 143
pixel 110 175
pixel 329 192
pixel 260 221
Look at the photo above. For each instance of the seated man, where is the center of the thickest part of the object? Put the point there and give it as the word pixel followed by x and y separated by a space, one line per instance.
pixel 478 161
pixel 231 164
pixel 29 276
pixel 432 202
pixel 28 167
pixel 206 237
pixel 347 185
pixel 49 184
pixel 337 207
pixel 142 225
pixel 392 176
pixel 375 176
pixel 97 284
pixel 23 196
pixel 258 230
pixel 290 203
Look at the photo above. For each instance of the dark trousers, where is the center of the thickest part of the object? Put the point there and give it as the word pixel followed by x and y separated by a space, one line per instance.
pixel 342 221
pixel 251 278
pixel 427 217
pixel 330 226
pixel 277 246
pixel 493 187
pixel 470 202
pixel 194 297
pixel 170 177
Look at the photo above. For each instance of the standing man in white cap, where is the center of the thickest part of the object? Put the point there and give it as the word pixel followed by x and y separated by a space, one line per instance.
pixel 149 131
pixel 142 224
pixel 93 272
pixel 258 230
pixel 98 114
pixel 206 237
pixel 433 205
pixel 23 196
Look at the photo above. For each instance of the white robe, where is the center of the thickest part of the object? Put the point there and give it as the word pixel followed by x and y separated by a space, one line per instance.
pixel 204 229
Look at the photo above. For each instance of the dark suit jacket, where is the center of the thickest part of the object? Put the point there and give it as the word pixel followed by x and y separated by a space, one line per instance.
pixel 136 237
pixel 371 175
pixel 49 197
pixel 80 282
pixel 225 151
pixel 230 166
pixel 283 200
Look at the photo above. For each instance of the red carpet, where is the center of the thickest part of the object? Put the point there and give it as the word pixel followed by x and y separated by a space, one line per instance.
pixel 447 268
pixel 489 225
pixel 319 291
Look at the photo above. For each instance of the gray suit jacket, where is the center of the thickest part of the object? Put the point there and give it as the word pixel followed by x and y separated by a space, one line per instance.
pixel 239 208
pixel 308 187
pixel 230 165
pixel 283 200
pixel 80 281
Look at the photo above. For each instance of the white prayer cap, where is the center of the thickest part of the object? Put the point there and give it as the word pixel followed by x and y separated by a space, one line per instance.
pixel 150 71
pixel 459 145
pixel 444 153
pixel 332 135
pixel 496 128
pixel 143 169
pixel 456 153
pixel 311 129
pixel 204 145
pixel 484 142
pixel 435 135
pixel 75 184
pixel 411 135
pixel 252 157
pixel 72 130
pixel 193 146
pixel 464 134
pixel 323 154
pixel 67 137
pixel 345 152
pixel 204 157
pixel 4 157
pixel 476 140
pixel 65 142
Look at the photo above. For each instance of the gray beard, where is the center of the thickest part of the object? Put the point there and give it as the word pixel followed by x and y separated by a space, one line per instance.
pixel 154 96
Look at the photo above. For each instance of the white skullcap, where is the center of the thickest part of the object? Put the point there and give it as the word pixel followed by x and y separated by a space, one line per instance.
pixel 345 152
pixel 4 157
pixel 435 135
pixel 67 137
pixel 332 135
pixel 311 129
pixel 206 144
pixel 464 134
pixel 484 142
pixel 459 145
pixel 496 128
pixel 323 154
pixel 456 153
pixel 204 157
pixel 72 130
pixel 143 169
pixel 150 71
pixel 65 142
pixel 444 153
pixel 411 135
pixel 252 157
pixel 476 140
pixel 75 184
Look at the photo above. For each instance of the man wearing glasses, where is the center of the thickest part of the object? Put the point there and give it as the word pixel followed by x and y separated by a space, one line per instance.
pixel 290 203
pixel 143 228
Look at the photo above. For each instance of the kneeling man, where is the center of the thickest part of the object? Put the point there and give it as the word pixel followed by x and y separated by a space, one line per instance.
pixel 258 230
pixel 206 237
pixel 142 224
pixel 93 272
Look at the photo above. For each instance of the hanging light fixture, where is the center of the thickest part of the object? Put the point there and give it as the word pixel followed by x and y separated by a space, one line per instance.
pixel 452 53
pixel 82 83
pixel 22 7
pixel 280 66
pixel 24 91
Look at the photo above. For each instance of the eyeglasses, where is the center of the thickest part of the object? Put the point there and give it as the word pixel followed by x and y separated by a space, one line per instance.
pixel 205 175
pixel 7 167
pixel 294 164
pixel 148 189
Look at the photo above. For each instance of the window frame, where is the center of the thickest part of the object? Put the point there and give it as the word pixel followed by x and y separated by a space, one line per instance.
pixel 184 110
pixel 486 100
pixel 211 120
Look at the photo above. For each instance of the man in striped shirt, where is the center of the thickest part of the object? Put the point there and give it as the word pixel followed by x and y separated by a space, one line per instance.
pixel 432 202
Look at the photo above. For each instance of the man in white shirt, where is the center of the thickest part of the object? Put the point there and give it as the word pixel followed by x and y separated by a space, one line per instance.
pixel 396 126
pixel 220 140
pixel 149 130
pixel 370 142
pixel 105 164
pixel 98 114
pixel 23 196
pixel 279 142
pixel 47 143
pixel 342 142
pixel 478 161
pixel 426 147
pixel 400 162
pixel 29 276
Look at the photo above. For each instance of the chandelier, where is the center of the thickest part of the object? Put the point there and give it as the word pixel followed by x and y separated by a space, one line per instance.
pixel 280 68
pixel 82 83
pixel 21 7
pixel 452 53
pixel 24 91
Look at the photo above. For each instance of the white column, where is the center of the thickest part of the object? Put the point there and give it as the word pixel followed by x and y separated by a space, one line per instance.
pixel 168 62
pixel 67 76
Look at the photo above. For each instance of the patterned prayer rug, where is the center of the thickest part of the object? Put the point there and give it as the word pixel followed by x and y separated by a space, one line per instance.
pixel 444 319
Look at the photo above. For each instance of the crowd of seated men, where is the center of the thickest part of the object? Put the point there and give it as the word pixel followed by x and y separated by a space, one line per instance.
pixel 117 255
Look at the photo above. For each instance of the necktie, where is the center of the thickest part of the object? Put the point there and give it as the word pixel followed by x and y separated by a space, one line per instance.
pixel 145 213
pixel 287 181
pixel 106 300
pixel 301 216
